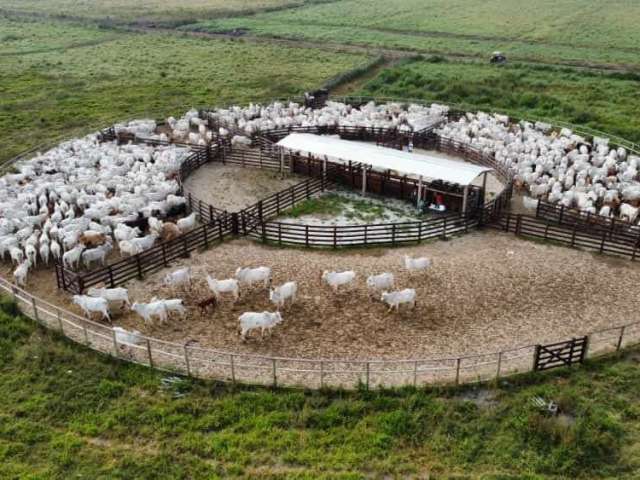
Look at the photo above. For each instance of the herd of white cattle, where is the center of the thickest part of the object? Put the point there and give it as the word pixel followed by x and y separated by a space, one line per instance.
pixel 102 300
pixel 246 122
pixel 74 201
pixel 557 165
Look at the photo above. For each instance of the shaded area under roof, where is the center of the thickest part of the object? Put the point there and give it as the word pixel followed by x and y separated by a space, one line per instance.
pixel 426 166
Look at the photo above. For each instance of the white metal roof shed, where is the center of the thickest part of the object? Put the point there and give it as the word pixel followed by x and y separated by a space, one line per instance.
pixel 426 166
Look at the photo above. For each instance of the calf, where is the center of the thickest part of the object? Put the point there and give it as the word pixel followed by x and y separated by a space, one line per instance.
pixel 381 282
pixel 150 310
pixel 178 277
pixel 416 264
pixel 111 295
pixel 205 304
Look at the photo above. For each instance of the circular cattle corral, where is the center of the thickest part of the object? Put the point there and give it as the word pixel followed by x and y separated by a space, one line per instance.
pixel 486 291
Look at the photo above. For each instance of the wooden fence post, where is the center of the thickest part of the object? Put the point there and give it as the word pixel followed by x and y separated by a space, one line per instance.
pixel 35 309
pixel 499 365
pixel 458 371
pixel 138 264
pixel 115 343
pixel 186 360
pixel 149 353
pixel 233 368
pixel 367 377
pixel 444 228
pixel 275 373
pixel 619 345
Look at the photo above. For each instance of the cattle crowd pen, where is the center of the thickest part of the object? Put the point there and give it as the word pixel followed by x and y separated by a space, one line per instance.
pixel 549 223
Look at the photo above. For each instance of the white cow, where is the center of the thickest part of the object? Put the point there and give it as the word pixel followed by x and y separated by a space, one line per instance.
pixel 125 337
pixel 92 305
pixel 178 277
pixel 172 305
pixel 416 264
pixel 336 279
pixel 71 259
pixel 187 223
pixel 224 286
pixel 111 295
pixel 265 321
pixel 21 272
pixel 149 310
pixel 395 299
pixel 284 292
pixel 249 276
pixel 381 282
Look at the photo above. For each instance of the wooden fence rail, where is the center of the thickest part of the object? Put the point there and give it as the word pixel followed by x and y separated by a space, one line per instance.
pixel 532 227
pixel 619 230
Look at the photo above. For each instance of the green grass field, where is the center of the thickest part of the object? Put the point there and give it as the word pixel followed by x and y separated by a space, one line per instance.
pixel 577 31
pixel 69 413
pixel 606 102
pixel 60 80
pixel 164 11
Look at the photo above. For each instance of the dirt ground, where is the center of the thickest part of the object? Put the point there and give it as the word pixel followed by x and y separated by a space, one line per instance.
pixel 486 291
pixel 233 188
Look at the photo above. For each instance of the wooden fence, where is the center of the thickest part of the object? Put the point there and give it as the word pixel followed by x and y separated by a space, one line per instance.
pixel 616 229
pixel 149 261
pixel 275 371
pixel 532 227
pixel 335 236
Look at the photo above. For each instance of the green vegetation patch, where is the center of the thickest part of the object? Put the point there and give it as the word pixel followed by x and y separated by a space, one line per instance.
pixel 70 90
pixel 607 102
pixel 575 31
pixel 67 413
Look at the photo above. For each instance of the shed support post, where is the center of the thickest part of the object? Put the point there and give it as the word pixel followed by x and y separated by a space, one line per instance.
pixel 464 199
pixel 282 163
pixel 484 188
pixel 419 197
pixel 364 180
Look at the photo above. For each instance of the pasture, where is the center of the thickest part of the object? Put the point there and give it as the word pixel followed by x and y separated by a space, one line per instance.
pixel 150 11
pixel 88 78
pixel 581 32
pixel 606 102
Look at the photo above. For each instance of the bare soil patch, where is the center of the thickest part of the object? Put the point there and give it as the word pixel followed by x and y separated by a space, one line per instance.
pixel 233 188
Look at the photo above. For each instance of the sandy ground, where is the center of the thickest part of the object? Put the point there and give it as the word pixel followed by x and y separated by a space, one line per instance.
pixel 233 188
pixel 486 291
